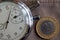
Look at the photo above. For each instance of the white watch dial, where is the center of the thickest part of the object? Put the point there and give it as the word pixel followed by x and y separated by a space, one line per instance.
pixel 4 12
pixel 16 27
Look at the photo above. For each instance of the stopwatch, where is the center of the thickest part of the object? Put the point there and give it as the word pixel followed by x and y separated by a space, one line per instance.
pixel 15 20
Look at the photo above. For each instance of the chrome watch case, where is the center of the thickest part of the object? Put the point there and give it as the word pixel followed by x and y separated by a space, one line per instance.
pixel 26 6
pixel 28 16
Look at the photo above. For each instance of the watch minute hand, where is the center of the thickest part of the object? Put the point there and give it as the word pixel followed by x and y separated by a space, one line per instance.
pixel 7 20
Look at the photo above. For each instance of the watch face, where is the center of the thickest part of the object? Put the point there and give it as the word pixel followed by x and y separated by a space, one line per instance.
pixel 13 25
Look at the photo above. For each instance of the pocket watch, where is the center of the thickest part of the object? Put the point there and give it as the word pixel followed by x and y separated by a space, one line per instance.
pixel 15 20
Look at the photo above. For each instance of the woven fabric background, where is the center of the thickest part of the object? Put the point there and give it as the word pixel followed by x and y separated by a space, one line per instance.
pixel 46 8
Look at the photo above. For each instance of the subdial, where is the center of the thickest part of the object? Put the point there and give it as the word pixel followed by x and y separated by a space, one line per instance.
pixel 16 15
pixel 17 19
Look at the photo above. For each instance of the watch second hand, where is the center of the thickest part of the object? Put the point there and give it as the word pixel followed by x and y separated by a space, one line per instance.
pixel 8 20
